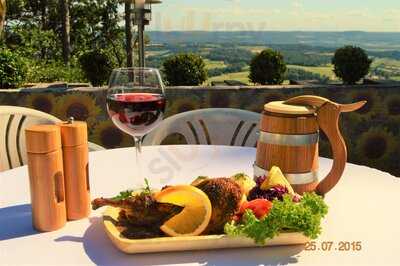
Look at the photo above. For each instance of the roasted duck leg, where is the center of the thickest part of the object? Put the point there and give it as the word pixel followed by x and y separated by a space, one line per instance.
pixel 141 210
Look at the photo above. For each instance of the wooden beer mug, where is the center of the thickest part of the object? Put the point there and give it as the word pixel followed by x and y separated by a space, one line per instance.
pixel 289 139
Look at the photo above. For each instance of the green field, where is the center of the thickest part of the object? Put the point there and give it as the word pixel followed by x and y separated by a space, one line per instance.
pixel 386 63
pixel 322 70
pixel 157 53
pixel 390 67
pixel 243 76
pixel 240 76
pixel 253 49
pixel 214 64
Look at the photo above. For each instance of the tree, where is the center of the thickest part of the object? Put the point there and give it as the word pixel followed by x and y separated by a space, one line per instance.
pixel 33 27
pixel 128 33
pixel 351 64
pixel 65 28
pixel 94 25
pixel 12 69
pixel 96 66
pixel 267 67
pixel 46 36
pixel 185 70
pixel 2 15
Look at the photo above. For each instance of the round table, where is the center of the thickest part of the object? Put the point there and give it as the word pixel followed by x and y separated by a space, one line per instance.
pixel 364 208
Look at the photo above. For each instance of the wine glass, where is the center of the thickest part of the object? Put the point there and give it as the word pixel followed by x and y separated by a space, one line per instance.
pixel 136 103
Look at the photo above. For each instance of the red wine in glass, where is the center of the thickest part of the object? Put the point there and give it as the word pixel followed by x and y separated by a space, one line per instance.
pixel 136 104
pixel 136 113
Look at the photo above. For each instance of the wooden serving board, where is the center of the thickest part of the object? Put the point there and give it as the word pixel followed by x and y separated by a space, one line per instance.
pixel 168 244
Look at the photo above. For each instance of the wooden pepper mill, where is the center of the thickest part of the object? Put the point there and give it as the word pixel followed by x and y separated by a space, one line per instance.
pixel 289 139
pixel 45 166
pixel 76 168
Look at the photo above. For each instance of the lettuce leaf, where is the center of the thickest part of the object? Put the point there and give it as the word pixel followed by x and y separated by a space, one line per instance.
pixel 285 215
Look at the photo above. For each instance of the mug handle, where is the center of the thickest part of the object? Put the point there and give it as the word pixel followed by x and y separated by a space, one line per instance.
pixel 328 120
pixel 328 114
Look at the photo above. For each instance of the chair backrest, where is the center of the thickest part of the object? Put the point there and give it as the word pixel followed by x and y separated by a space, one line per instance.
pixel 214 126
pixel 13 121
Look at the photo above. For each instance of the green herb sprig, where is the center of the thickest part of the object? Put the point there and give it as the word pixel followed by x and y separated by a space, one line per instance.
pixel 147 189
pixel 123 195
pixel 128 193
pixel 285 215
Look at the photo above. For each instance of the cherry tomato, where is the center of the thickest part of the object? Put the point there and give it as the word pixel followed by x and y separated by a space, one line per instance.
pixel 260 207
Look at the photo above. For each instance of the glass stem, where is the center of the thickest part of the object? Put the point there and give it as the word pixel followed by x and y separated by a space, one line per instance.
pixel 138 148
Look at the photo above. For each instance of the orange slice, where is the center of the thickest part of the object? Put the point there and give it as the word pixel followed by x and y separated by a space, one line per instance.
pixel 195 216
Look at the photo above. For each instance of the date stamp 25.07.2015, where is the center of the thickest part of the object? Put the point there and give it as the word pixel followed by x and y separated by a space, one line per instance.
pixel 349 246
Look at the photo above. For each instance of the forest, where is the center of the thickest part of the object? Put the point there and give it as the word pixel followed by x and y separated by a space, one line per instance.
pixel 51 35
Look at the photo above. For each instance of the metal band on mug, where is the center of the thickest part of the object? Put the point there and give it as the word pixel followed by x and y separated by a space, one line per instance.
pixel 294 179
pixel 288 140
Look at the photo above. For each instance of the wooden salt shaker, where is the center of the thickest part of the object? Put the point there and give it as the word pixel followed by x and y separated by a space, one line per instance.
pixel 76 168
pixel 45 166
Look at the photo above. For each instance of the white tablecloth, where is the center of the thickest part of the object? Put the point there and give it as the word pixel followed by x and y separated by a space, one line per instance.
pixel 364 206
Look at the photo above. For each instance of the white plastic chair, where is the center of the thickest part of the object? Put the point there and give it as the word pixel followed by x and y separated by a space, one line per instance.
pixel 13 121
pixel 214 126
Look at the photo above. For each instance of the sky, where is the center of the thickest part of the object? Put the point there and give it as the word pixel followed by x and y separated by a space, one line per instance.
pixel 280 15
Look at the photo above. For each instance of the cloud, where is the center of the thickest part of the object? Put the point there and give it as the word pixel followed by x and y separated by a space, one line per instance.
pixel 297 4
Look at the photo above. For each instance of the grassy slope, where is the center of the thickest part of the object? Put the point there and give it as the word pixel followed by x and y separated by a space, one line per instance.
pixel 322 70
pixel 243 76
pixel 157 53
pixel 386 62
pixel 240 76
pixel 389 65
pixel 214 64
